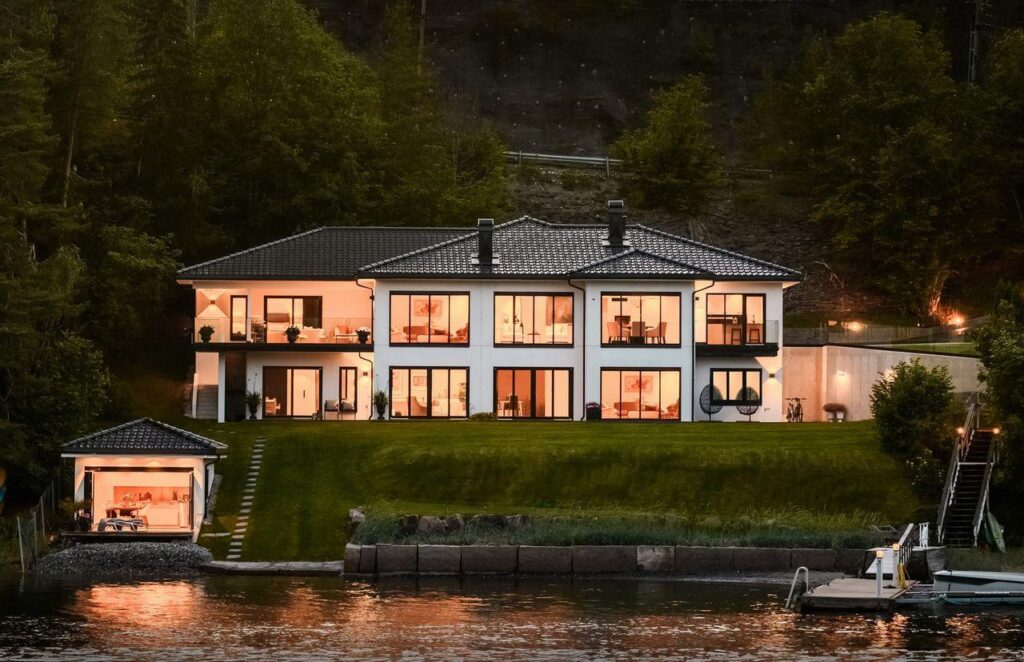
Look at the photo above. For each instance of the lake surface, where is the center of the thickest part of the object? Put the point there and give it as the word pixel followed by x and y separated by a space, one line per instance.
pixel 273 617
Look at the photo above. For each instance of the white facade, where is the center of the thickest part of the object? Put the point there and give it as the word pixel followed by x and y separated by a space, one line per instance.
pixel 372 363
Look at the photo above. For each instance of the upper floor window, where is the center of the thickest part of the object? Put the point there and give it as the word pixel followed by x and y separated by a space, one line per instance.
pixel 735 319
pixel 639 319
pixel 736 387
pixel 429 318
pixel 284 312
pixel 533 319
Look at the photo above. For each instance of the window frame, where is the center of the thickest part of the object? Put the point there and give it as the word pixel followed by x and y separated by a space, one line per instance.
pixel 293 297
pixel 532 295
pixel 679 321
pixel 743 318
pixel 726 401
pixel 355 387
pixel 430 388
pixel 432 293
pixel 232 336
pixel 678 371
pixel 533 390
pixel 291 396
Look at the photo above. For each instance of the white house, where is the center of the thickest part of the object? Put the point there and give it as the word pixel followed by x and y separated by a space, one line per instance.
pixel 144 478
pixel 526 319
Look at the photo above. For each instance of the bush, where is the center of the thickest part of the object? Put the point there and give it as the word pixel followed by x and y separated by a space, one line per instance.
pixel 483 416
pixel 916 417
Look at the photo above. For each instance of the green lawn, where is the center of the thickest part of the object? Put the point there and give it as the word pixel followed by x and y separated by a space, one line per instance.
pixel 953 348
pixel 314 472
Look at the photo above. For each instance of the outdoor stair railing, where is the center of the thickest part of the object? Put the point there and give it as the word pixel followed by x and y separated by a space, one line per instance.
pixel 979 510
pixel 953 473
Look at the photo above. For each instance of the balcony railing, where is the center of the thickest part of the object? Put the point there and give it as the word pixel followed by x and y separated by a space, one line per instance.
pixel 732 333
pixel 255 330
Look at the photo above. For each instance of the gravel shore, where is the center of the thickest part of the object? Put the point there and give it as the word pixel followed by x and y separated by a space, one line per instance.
pixel 125 558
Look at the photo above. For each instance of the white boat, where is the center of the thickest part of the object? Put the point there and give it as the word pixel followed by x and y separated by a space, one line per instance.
pixel 979 587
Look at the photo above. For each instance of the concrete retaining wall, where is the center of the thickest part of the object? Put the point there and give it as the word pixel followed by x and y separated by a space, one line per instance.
pixel 589 559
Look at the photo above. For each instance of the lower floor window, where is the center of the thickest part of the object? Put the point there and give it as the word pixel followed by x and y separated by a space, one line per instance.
pixel 291 392
pixel 429 392
pixel 640 394
pixel 533 392
pixel 736 387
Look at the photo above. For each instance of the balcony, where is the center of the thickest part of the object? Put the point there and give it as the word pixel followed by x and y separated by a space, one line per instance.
pixel 733 337
pixel 331 333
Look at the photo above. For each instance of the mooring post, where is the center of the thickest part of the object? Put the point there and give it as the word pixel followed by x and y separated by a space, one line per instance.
pixel 879 553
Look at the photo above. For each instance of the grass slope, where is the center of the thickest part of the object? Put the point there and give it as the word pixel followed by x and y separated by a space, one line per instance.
pixel 313 472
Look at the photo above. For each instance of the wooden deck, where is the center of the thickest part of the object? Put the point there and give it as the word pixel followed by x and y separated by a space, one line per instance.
pixel 851 594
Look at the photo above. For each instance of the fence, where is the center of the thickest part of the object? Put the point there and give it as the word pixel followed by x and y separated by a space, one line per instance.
pixel 874 334
pixel 608 163
pixel 32 529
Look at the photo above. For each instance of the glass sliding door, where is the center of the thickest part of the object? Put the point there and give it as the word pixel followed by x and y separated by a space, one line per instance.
pixel 533 392
pixel 649 394
pixel 291 392
pixel 429 392
pixel 735 319
pixel 239 313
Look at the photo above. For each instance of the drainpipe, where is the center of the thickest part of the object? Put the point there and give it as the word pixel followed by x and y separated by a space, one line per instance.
pixel 583 376
pixel 693 349
pixel 373 336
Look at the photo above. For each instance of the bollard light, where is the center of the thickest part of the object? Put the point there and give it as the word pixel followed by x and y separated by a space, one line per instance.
pixel 896 547
pixel 995 430
pixel 879 553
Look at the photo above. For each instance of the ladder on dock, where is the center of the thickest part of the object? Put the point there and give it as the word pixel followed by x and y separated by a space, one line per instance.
pixel 965 496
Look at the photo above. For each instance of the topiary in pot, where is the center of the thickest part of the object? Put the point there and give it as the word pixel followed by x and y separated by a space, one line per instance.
pixel 292 333
pixel 253 400
pixel 835 411
pixel 206 333
pixel 380 403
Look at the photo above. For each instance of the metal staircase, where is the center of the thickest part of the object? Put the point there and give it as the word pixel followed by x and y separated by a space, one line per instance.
pixel 965 497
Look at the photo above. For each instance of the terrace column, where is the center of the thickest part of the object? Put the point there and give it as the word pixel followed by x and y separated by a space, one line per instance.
pixel 221 375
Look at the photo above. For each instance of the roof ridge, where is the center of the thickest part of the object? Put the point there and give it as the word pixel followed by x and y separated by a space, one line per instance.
pixel 447 242
pixel 105 431
pixel 146 419
pixel 187 433
pixel 712 247
pixel 639 251
pixel 249 250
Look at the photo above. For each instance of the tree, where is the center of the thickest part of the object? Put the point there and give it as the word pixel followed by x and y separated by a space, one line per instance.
pixel 673 157
pixel 291 120
pixel 437 168
pixel 901 161
pixel 915 413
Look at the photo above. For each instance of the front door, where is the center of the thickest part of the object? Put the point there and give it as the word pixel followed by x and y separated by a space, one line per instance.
pixel 291 392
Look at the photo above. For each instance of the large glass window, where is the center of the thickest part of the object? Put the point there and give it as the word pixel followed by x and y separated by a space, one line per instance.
pixel 304 313
pixel 736 387
pixel 239 312
pixel 289 392
pixel 429 392
pixel 639 319
pixel 735 319
pixel 429 318
pixel 533 392
pixel 640 394
pixel 533 319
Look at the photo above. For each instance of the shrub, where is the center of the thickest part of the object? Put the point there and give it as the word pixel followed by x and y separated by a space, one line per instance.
pixel 916 416
pixel 483 416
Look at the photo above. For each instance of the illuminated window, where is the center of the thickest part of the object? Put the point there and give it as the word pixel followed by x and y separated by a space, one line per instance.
pixel 429 392
pixel 533 392
pixel 640 394
pixel 736 387
pixel 429 318
pixel 639 319
pixel 735 319
pixel 533 319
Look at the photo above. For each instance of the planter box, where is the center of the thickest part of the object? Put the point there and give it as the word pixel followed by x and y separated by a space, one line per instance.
pixel 594 414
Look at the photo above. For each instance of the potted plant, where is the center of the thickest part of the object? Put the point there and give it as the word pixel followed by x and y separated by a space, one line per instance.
pixel 836 412
pixel 593 411
pixel 206 333
pixel 364 334
pixel 380 403
pixel 253 400
pixel 292 333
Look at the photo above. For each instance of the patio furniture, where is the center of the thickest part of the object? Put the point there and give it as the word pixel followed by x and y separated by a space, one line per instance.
pixel 736 335
pixel 270 406
pixel 332 406
pixel 615 332
pixel 754 334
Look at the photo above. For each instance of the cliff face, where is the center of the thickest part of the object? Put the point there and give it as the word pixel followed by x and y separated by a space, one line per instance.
pixel 567 76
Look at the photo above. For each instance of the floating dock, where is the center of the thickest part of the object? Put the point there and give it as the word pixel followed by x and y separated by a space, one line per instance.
pixel 852 594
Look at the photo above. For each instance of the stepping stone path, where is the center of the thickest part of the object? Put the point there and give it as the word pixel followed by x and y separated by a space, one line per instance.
pixel 248 494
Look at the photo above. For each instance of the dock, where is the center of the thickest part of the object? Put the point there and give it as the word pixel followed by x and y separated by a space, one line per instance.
pixel 852 594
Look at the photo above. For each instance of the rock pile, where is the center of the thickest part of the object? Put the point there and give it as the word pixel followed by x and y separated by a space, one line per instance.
pixel 125 558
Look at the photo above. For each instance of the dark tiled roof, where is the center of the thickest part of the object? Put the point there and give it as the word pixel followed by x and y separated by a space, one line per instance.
pixel 144 437
pixel 323 253
pixel 633 263
pixel 529 248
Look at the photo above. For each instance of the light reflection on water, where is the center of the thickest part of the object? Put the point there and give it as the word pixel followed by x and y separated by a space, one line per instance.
pixel 235 617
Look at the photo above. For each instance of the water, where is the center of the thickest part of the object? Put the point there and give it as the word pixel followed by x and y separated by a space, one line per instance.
pixel 260 617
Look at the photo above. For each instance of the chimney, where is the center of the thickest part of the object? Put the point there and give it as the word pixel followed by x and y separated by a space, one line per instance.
pixel 616 222
pixel 485 231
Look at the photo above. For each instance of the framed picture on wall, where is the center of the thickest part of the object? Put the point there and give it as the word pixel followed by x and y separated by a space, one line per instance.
pixel 638 383
pixel 419 381
pixel 425 307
